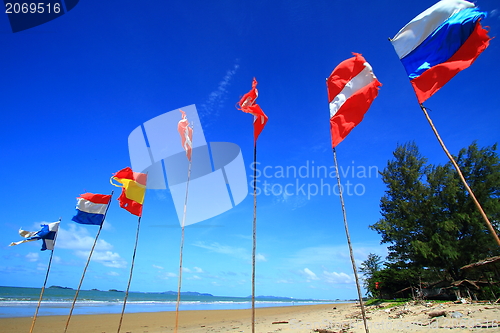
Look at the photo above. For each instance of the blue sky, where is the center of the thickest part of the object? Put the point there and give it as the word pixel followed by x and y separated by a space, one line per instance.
pixel 74 88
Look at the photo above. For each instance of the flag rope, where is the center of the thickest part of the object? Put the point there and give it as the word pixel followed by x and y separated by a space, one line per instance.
pixel 44 283
pixel 179 283
pixel 363 313
pixel 462 178
pixel 87 265
pixel 131 271
pixel 254 233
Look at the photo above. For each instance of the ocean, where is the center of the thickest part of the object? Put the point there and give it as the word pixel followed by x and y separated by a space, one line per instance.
pixel 22 302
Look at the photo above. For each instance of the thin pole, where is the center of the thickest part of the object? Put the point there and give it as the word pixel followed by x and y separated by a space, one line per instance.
pixel 462 178
pixel 131 271
pixel 254 247
pixel 349 242
pixel 179 283
pixel 87 265
pixel 44 283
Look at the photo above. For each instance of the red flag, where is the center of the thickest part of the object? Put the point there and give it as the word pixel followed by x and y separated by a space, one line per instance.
pixel 133 186
pixel 247 104
pixel 352 87
pixel 186 133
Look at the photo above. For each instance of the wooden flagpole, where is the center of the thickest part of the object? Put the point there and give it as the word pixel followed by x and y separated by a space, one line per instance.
pixel 44 283
pixel 363 313
pixel 131 266
pixel 179 283
pixel 131 271
pixel 462 178
pixel 87 264
pixel 254 233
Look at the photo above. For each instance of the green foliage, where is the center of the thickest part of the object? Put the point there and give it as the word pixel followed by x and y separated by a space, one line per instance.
pixel 368 268
pixel 429 219
pixel 392 280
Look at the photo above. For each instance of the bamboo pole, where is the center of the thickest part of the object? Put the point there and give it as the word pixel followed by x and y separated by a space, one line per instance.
pixel 363 313
pixel 87 265
pixel 131 271
pixel 179 283
pixel 462 178
pixel 254 233
pixel 44 282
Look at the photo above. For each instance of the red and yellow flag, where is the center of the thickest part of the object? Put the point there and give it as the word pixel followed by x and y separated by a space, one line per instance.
pixel 133 186
pixel 247 104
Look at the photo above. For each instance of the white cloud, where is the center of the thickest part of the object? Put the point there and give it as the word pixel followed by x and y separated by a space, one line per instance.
pixel 335 277
pixel 260 257
pixel 32 257
pixel 106 225
pixel 113 274
pixel 198 270
pixel 78 238
pixel 217 97
pixel 319 255
pixel 495 13
pixel 310 274
pixel 107 258
pixel 237 252
pixel 168 275
pixel 194 277
pixel 158 267
pixel 186 270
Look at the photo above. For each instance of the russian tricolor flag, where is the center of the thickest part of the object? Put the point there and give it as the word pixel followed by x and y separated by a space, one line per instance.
pixel 91 208
pixel 439 43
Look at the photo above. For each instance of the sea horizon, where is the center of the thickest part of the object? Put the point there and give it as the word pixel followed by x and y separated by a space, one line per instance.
pixel 22 301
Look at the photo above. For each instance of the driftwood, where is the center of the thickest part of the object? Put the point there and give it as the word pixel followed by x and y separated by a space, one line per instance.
pixel 437 313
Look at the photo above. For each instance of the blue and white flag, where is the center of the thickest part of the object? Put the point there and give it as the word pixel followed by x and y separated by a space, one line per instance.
pixel 47 234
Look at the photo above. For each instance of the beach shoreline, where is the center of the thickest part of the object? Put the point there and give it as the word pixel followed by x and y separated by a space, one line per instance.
pixel 238 320
pixel 335 317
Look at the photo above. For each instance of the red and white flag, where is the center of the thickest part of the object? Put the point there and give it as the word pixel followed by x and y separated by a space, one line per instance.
pixel 186 133
pixel 352 87
pixel 247 104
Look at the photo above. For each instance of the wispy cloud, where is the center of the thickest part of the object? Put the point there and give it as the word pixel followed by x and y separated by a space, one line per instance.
pixel 216 98
pixel 334 277
pixel 260 257
pixel 339 254
pixel 32 257
pixel 107 258
pixel 495 13
pixel 168 275
pixel 236 252
pixel 310 274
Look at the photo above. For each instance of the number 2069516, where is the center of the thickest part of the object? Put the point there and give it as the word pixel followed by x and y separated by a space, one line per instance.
pixel 32 7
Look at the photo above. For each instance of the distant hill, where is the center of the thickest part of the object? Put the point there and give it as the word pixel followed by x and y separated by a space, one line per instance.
pixel 59 287
pixel 186 293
